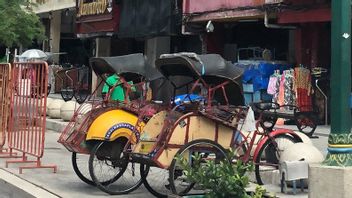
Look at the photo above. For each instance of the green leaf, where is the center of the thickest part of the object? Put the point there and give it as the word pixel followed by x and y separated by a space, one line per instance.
pixel 18 24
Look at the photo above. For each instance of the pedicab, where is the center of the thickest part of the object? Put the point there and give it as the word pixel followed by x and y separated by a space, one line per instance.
pixel 209 127
pixel 100 128
pixel 75 83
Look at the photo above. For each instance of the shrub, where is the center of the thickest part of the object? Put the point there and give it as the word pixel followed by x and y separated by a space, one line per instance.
pixel 220 179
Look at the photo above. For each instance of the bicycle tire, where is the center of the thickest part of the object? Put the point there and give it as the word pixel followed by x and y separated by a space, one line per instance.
pixel 144 169
pixel 173 169
pixel 265 152
pixel 120 163
pixel 78 171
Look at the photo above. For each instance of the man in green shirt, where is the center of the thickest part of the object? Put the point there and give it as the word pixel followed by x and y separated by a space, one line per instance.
pixel 118 93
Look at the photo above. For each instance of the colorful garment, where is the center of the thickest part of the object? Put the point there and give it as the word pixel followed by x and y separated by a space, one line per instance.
pixel 281 97
pixel 303 88
pixel 277 88
pixel 289 96
pixel 272 88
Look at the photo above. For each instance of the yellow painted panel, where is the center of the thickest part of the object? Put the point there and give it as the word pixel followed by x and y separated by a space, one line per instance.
pixel 107 122
pixel 202 128
pixel 225 136
pixel 150 131
pixel 167 156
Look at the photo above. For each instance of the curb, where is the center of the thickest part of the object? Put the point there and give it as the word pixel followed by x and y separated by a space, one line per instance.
pixel 57 125
pixel 12 185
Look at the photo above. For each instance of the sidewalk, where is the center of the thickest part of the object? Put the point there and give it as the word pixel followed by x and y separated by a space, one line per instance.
pixel 65 183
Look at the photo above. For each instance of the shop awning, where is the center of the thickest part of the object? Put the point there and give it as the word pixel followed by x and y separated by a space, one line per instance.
pixel 231 15
pixel 52 5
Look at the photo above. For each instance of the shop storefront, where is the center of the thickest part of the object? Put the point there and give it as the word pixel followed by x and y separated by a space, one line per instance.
pixel 280 49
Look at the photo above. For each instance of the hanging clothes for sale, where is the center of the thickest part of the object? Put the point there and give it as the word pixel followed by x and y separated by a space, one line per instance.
pixel 289 95
pixel 281 96
pixel 303 88
pixel 273 85
pixel 281 87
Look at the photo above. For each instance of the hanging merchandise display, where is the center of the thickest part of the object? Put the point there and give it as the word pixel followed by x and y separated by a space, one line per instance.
pixel 289 93
pixel 303 88
pixel 292 87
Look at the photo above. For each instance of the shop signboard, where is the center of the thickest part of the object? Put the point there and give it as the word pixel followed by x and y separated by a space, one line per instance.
pixel 96 7
pixel 96 18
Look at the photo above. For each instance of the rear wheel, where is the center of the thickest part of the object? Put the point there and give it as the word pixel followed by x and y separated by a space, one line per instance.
pixel 111 170
pixel 80 166
pixel 206 150
pixel 267 161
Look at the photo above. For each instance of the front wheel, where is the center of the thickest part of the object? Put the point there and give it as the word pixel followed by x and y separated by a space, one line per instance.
pixel 155 180
pixel 206 150
pixel 111 170
pixel 268 159
pixel 80 166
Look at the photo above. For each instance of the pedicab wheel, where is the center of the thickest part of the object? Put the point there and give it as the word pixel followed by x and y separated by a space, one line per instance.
pixel 67 94
pixel 206 150
pixel 155 180
pixel 306 123
pixel 268 159
pixel 80 166
pixel 111 170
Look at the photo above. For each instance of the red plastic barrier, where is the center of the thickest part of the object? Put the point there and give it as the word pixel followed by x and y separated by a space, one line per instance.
pixel 27 121
pixel 5 77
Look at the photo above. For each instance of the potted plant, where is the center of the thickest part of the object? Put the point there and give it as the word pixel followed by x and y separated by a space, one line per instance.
pixel 221 179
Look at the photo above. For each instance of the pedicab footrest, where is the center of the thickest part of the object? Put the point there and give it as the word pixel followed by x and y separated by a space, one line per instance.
pixel 143 159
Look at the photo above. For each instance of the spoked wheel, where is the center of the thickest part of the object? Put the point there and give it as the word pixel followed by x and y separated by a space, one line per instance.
pixel 111 170
pixel 306 123
pixel 80 166
pixel 206 149
pixel 267 161
pixel 155 180
pixel 67 94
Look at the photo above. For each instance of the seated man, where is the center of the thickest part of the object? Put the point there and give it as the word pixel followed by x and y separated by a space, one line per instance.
pixel 118 93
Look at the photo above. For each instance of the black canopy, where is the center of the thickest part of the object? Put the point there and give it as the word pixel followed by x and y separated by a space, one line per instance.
pixel 127 65
pixel 194 65
pixel 210 67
